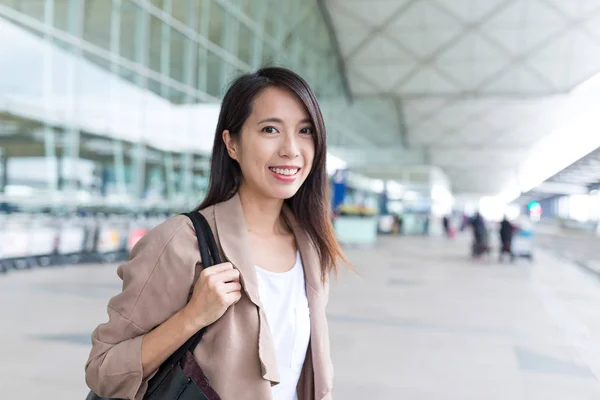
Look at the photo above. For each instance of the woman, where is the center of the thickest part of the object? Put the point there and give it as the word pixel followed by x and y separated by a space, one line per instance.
pixel 267 206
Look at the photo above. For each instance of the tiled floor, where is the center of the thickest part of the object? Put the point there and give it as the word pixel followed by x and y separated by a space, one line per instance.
pixel 421 321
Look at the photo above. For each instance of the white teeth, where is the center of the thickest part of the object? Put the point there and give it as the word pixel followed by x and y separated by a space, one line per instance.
pixel 284 171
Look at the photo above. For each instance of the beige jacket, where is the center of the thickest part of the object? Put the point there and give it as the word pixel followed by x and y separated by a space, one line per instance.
pixel 237 352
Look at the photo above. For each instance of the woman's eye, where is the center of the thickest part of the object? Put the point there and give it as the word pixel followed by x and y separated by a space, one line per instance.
pixel 269 129
pixel 307 131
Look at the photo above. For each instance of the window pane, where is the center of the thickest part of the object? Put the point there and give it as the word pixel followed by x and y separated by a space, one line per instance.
pixel 178 42
pixel 217 19
pixel 128 29
pixel 96 30
pixel 214 70
pixel 268 56
pixel 245 44
pixel 155 47
pixel 34 9
pixel 269 26
pixel 182 10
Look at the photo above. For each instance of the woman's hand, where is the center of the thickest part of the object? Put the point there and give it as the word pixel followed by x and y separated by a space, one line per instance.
pixel 217 288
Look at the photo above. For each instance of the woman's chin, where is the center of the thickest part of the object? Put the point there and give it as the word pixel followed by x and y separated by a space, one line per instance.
pixel 283 193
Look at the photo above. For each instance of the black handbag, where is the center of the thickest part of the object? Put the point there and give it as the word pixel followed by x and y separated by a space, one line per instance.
pixel 180 377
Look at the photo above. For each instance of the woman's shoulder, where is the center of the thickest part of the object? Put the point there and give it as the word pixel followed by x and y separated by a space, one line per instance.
pixel 166 231
pixel 177 232
pixel 179 225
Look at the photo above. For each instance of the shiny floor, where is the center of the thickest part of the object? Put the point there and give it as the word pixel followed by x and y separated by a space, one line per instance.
pixel 420 321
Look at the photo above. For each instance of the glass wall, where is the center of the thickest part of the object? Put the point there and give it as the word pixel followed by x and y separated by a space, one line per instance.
pixel 130 87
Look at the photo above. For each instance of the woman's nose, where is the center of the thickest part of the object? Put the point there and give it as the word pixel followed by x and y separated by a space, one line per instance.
pixel 289 147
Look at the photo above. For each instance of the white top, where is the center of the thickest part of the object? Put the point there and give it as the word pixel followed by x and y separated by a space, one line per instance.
pixel 283 296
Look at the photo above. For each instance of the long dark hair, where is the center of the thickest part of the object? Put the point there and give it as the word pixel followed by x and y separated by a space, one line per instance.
pixel 310 205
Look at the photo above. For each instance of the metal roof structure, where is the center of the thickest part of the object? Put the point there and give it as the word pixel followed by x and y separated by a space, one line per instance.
pixel 478 82
pixel 578 178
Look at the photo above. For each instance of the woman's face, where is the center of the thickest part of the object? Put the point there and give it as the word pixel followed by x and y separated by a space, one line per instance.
pixel 276 147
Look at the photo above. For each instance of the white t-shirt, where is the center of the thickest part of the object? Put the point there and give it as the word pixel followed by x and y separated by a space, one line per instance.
pixel 283 296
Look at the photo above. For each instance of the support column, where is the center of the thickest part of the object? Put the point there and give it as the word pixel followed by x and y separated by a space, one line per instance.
pixel 190 66
pixel 49 133
pixel 230 32
pixel 3 170
pixel 257 45
pixel 119 164
pixel 280 54
pixel 203 57
pixel 187 176
pixel 141 57
pixel 165 49
pixel 72 135
pixel 170 176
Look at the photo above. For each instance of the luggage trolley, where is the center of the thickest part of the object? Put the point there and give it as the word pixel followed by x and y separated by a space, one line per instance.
pixel 42 240
pixel 110 241
pixel 71 241
pixel 522 242
pixel 15 237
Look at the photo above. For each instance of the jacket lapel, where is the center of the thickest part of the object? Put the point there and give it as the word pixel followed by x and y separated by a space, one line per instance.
pixel 232 232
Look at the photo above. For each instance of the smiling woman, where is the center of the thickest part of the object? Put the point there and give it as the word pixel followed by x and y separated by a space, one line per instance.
pixel 263 311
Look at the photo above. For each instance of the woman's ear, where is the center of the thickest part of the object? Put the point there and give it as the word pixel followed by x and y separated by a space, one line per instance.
pixel 230 144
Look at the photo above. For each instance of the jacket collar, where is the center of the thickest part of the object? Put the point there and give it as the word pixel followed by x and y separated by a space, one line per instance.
pixel 233 236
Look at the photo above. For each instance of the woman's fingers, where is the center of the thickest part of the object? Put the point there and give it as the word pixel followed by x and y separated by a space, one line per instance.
pixel 232 287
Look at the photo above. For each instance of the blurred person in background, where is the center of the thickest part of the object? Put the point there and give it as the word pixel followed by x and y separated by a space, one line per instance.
pixel 449 230
pixel 480 236
pixel 425 224
pixel 464 222
pixel 446 224
pixel 506 235
pixel 267 203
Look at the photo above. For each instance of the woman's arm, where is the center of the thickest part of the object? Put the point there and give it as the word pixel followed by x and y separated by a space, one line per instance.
pixel 151 317
pixel 164 340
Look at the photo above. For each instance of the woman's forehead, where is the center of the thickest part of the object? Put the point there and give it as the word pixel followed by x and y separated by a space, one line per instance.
pixel 276 102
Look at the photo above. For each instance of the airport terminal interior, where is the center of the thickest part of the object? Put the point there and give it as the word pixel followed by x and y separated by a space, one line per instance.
pixel 463 157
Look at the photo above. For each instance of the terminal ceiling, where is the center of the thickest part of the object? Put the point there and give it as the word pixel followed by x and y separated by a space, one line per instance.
pixel 476 82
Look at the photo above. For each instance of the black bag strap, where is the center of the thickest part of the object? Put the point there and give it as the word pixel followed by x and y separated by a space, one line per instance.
pixel 201 225
pixel 209 254
pixel 208 251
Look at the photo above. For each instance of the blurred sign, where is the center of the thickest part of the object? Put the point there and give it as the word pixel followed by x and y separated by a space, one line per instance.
pixel 134 236
pixel 535 210
pixel 339 187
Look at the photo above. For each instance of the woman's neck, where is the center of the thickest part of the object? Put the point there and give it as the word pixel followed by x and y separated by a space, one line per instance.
pixel 262 214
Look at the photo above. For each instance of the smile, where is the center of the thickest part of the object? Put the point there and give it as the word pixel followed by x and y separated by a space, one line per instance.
pixel 285 171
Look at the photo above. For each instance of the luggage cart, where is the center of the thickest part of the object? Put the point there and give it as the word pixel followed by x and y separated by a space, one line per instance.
pixel 91 229
pixel 522 243
pixel 15 237
pixel 71 241
pixel 109 241
pixel 42 241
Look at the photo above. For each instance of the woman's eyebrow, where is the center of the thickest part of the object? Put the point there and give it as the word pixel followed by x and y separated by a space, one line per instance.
pixel 272 119
pixel 280 121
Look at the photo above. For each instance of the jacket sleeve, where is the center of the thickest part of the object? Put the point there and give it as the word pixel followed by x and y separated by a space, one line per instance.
pixel 157 281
